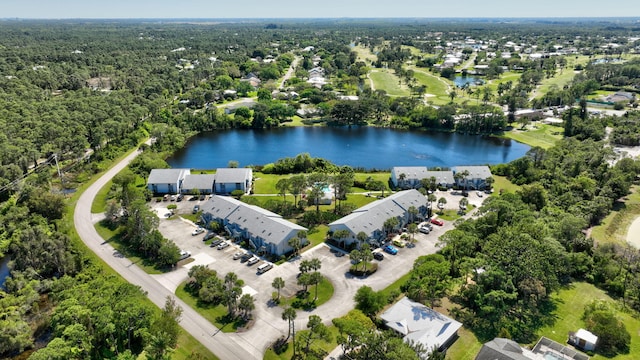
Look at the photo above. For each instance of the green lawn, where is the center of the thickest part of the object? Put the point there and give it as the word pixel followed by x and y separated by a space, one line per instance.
pixel 113 237
pixel 570 306
pixel 384 79
pixel 364 54
pixel 466 347
pixel 266 183
pixel 501 183
pixel 317 235
pixel 304 301
pixel 215 314
pixel 615 226
pixel 99 204
pixel 435 86
pixel 188 347
pixel 288 354
pixel 544 136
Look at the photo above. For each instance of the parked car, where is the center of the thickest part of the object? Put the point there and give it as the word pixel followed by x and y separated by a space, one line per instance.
pixel 199 230
pixel 378 256
pixel 246 257
pixel 173 198
pixel 390 249
pixel 179 197
pixel 398 243
pixel 437 222
pixel 424 229
pixel 480 194
pixel 195 209
pixel 238 255
pixel 184 254
pixel 165 197
pixel 216 242
pixel 253 260
pixel 264 268
pixel 222 245
pixel 209 235
pixel 201 197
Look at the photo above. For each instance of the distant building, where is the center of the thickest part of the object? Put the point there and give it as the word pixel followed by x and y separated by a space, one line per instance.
pixel 198 183
pixel 166 181
pixel 230 179
pixel 476 178
pixel 414 174
pixel 370 218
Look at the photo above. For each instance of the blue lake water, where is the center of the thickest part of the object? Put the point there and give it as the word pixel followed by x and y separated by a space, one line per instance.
pixel 4 270
pixel 461 81
pixel 365 147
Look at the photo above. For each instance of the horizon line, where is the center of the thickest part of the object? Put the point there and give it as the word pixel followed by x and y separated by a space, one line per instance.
pixel 326 18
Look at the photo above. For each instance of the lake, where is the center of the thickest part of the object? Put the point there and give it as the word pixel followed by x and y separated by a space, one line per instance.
pixel 4 270
pixel 364 147
pixel 461 81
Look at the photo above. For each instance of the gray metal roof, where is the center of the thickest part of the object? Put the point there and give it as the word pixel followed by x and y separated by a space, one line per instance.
pixel 167 176
pixel 233 175
pixel 198 181
pixel 501 349
pixel 475 172
pixel 420 323
pixel 259 222
pixel 411 172
pixel 371 217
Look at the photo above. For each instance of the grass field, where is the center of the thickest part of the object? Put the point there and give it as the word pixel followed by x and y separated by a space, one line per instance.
pixel 385 79
pixel 544 136
pixel 502 183
pixel 615 226
pixel 188 347
pixel 570 304
pixel 364 54
pixel 324 345
pixel 436 86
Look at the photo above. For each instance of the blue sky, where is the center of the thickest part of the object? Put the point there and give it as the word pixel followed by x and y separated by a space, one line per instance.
pixel 52 9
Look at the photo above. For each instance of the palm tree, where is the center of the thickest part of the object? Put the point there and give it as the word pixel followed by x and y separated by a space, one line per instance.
pixel 315 279
pixel 295 243
pixel 390 224
pixel 413 212
pixel 401 179
pixel 283 186
pixel 278 284
pixel 289 314
pixel 246 304
pixel 431 198
pixel 315 264
pixel 441 202
pixel 361 237
pixel 412 229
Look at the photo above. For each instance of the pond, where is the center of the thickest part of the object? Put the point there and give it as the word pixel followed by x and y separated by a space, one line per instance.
pixel 4 270
pixel 362 147
pixel 461 81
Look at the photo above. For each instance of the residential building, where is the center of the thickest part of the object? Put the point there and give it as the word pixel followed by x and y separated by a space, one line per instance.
pixel 198 183
pixel 414 174
pixel 230 179
pixel 370 218
pixel 166 181
pixel 506 349
pixel 476 178
pixel 266 232
pixel 421 324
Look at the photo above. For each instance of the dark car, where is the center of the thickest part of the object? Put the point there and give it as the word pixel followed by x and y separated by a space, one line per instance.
pixel 246 257
pixel 209 235
pixel 216 242
pixel 195 209
pixel 378 256
pixel 180 197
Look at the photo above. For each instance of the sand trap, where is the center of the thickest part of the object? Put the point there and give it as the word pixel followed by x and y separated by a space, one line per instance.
pixel 633 235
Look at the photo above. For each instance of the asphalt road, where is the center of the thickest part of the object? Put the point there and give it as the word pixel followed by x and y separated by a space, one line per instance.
pixel 217 342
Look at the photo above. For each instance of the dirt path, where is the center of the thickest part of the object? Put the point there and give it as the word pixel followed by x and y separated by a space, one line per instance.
pixel 633 234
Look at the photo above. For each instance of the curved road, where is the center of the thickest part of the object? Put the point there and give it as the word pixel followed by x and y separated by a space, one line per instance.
pixel 218 343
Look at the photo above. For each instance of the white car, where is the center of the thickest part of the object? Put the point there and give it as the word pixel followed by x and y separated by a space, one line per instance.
pixel 238 255
pixel 184 254
pixel 253 260
pixel 223 245
pixel 199 230
pixel 479 193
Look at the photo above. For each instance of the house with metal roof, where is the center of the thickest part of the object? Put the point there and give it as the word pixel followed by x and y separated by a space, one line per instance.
pixel 266 232
pixel 410 177
pixel 506 349
pixel 475 179
pixel 166 181
pixel 421 324
pixel 370 218
pixel 198 183
pixel 230 179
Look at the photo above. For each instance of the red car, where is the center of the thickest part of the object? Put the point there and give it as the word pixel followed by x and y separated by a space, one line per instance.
pixel 437 222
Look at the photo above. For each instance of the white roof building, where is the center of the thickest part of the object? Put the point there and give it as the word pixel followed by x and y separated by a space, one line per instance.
pixel 421 324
